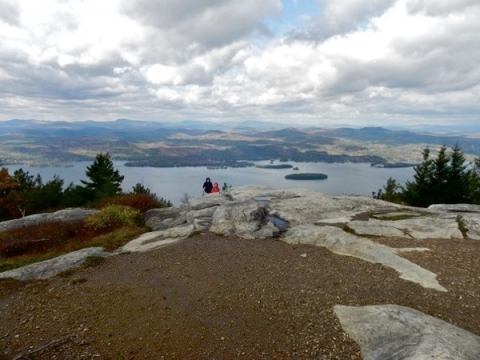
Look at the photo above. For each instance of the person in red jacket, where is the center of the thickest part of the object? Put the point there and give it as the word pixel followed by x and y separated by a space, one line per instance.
pixel 215 188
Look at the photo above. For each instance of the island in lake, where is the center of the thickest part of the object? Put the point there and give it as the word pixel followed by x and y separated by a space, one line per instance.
pixel 306 176
pixel 280 166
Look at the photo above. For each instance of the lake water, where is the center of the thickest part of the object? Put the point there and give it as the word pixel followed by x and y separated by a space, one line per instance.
pixel 173 183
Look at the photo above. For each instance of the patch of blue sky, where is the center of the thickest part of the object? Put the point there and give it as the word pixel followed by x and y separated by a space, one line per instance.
pixel 295 15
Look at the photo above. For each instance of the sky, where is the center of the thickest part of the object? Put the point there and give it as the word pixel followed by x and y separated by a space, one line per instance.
pixel 316 62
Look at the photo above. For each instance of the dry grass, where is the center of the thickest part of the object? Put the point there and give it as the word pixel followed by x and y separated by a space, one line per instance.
pixel 24 246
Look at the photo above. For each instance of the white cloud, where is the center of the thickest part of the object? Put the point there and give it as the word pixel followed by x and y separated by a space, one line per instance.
pixel 358 62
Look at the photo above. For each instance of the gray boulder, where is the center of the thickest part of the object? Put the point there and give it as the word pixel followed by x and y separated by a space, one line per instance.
pixel 342 243
pixel 65 215
pixel 466 213
pixel 397 332
pixel 48 268
pixel 159 219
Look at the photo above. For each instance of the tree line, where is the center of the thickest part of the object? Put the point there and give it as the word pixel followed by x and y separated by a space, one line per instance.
pixel 24 194
pixel 446 179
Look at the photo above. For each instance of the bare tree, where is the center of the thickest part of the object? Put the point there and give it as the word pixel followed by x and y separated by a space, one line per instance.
pixel 185 198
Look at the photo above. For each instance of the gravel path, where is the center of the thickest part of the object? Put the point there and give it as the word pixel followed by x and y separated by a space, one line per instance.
pixel 223 297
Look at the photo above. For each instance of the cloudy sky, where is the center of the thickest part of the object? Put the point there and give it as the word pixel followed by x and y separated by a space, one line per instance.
pixel 322 62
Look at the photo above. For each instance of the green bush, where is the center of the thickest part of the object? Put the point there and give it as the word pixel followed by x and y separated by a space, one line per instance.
pixel 115 216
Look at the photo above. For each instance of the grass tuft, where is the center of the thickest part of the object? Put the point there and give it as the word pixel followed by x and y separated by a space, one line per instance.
pixel 349 230
pixel 93 261
pixel 194 233
pixel 461 225
pixel 78 281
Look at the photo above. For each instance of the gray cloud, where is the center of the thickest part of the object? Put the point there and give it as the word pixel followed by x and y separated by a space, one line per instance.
pixel 203 24
pixel 51 81
pixel 10 12
pixel 440 7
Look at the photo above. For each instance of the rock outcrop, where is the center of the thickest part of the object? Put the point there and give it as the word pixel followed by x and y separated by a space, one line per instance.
pixel 397 332
pixel 342 224
pixel 48 268
pixel 65 215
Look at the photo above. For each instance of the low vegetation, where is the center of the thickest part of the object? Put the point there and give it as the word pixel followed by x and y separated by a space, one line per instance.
pixel 120 219
pixel 461 226
pixel 23 194
pixel 115 216
pixel 110 229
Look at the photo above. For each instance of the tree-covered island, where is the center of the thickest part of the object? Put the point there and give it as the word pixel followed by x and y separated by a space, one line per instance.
pixel 306 176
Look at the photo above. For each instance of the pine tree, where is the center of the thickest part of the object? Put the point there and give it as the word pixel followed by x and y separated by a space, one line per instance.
pixel 392 191
pixel 419 192
pixel 445 180
pixel 458 190
pixel 440 177
pixel 474 182
pixel 104 179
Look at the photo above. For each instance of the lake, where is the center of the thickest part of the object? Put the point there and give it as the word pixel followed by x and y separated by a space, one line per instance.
pixel 172 183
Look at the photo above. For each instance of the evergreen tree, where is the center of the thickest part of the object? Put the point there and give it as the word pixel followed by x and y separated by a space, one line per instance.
pixel 440 177
pixel 459 188
pixel 391 191
pixel 445 180
pixel 474 182
pixel 104 179
pixel 141 189
pixel 50 194
pixel 419 192
pixel 8 201
pixel 32 196
pixel 77 195
pixel 27 194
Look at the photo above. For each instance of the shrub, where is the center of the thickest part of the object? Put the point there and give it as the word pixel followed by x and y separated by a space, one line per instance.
pixel 39 239
pixel 115 216
pixel 185 199
pixel 226 187
pixel 140 202
pixel 112 227
pixel 27 245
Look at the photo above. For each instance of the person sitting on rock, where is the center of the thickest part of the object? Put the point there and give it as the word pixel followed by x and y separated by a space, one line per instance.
pixel 215 188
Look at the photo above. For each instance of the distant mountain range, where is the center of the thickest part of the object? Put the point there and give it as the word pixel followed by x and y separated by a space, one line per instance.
pixel 206 143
